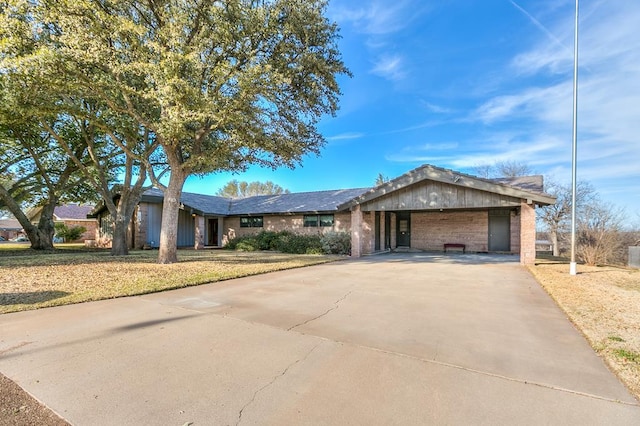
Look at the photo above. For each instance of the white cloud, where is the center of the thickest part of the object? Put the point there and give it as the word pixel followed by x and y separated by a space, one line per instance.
pixel 345 136
pixel 389 67
pixel 376 17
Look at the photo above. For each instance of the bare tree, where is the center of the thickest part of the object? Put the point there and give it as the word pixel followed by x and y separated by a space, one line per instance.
pixel 599 237
pixel 503 169
pixel 556 217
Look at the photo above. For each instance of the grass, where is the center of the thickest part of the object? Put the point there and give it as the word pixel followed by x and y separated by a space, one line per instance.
pixel 602 301
pixel 71 274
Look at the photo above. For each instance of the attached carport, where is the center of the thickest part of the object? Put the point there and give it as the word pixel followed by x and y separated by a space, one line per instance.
pixel 430 207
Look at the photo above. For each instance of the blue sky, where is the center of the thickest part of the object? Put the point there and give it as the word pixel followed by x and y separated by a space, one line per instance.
pixel 462 83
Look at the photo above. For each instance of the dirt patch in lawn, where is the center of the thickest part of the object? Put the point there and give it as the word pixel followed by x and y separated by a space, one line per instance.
pixel 604 303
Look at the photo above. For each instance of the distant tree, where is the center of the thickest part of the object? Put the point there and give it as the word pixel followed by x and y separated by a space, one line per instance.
pixel 381 179
pixel 237 189
pixel 599 239
pixel 556 218
pixel 503 169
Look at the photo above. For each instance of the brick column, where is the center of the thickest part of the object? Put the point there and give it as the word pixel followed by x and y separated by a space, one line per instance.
pixel 199 232
pixel 527 233
pixel 356 231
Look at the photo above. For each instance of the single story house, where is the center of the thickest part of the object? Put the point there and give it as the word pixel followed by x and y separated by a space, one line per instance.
pixel 10 229
pixel 428 208
pixel 72 215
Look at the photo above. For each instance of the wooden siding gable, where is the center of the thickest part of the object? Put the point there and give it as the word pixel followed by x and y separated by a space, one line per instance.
pixel 454 188
pixel 430 195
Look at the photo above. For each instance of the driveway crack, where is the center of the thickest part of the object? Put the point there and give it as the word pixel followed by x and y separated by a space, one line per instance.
pixel 335 306
pixel 275 378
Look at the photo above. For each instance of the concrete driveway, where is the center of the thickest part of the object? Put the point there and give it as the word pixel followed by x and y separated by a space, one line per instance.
pixel 392 339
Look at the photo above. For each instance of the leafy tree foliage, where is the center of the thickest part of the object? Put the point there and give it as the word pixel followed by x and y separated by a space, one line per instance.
pixel 219 85
pixel 37 81
pixel 381 179
pixel 69 234
pixel 237 189
pixel 36 173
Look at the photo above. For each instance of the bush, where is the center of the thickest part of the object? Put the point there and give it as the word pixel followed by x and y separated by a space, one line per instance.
pixel 336 243
pixel 69 234
pixel 284 241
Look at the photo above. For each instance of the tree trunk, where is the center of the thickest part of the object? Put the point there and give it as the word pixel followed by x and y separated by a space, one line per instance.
pixel 41 236
pixel 46 229
pixel 168 252
pixel 119 246
pixel 129 199
pixel 553 236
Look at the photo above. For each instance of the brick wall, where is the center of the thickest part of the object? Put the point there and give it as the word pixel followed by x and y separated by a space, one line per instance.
pixel 431 230
pixel 294 223
pixel 141 219
pixel 527 233
pixel 89 225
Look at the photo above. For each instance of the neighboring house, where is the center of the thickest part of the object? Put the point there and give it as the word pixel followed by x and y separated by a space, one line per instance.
pixel 424 209
pixel 71 215
pixel 10 229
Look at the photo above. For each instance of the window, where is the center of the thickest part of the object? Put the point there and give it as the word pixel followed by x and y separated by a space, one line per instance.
pixel 310 220
pixel 314 220
pixel 326 220
pixel 251 222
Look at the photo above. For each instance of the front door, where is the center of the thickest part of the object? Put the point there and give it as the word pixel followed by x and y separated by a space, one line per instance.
pixel 499 230
pixel 212 234
pixel 403 228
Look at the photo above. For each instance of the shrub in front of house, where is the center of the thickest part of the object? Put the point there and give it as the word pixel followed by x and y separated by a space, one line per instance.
pixel 336 243
pixel 284 241
pixel 69 234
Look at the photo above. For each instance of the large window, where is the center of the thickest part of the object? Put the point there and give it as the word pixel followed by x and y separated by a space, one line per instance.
pixel 251 222
pixel 314 220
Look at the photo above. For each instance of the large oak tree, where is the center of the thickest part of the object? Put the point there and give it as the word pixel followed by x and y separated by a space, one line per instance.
pixel 220 84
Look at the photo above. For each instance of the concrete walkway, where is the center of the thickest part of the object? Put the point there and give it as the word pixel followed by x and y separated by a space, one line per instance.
pixel 391 339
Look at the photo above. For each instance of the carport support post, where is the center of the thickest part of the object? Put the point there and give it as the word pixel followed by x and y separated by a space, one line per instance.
pixel 527 233
pixel 356 231
pixel 199 232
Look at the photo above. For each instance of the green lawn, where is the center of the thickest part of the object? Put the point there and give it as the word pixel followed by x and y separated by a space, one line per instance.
pixel 72 274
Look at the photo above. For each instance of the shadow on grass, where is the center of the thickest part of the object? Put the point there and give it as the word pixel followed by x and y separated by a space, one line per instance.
pixel 30 298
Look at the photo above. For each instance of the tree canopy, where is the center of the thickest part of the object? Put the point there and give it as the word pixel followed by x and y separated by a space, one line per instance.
pixel 219 85
pixel 243 189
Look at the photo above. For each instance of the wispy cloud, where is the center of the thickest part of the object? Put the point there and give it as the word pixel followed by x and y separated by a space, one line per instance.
pixel 380 21
pixel 346 136
pixel 376 17
pixel 389 67
pixel 438 109
pixel 541 27
pixel 608 95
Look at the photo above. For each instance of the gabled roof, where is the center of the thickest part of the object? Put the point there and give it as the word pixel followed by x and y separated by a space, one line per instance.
pixel 528 187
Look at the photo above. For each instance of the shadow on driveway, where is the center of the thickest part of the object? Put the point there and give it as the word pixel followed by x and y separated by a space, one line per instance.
pixel 445 258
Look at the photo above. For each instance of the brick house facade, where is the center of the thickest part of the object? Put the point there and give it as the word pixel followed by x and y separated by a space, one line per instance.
pixel 424 209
